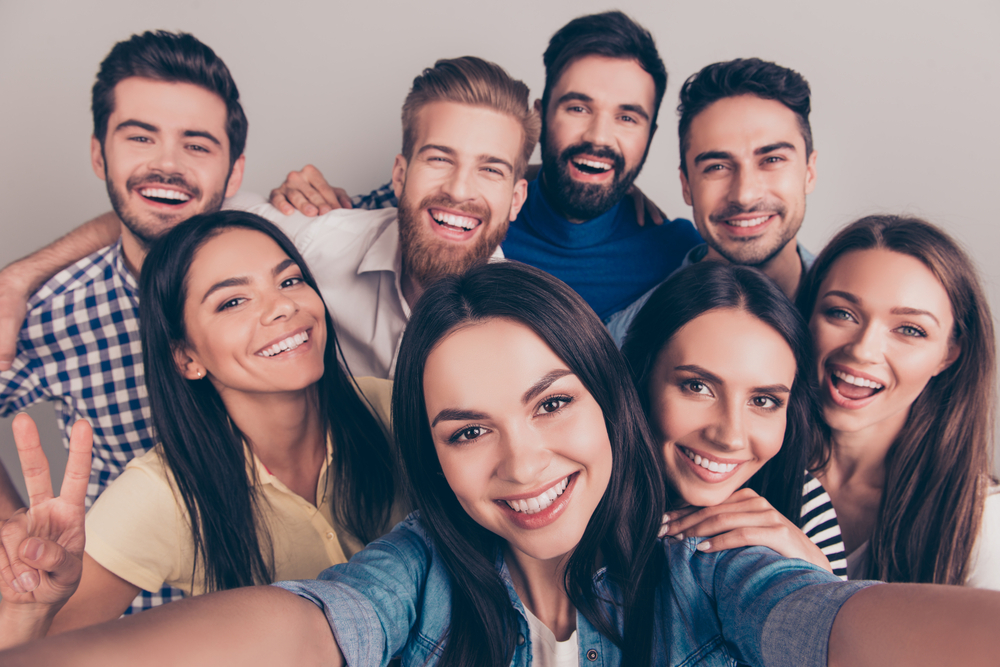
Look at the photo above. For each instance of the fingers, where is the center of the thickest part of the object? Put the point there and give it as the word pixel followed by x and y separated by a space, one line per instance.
pixel 653 211
pixel 308 192
pixel 78 465
pixel 708 518
pixel 20 577
pixel 52 558
pixel 639 204
pixel 34 465
pixel 786 540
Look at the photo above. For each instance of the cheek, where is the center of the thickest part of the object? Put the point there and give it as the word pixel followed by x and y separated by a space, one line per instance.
pixel 767 436
pixel 467 473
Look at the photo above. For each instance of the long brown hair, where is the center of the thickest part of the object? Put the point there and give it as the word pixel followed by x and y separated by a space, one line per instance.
pixel 937 470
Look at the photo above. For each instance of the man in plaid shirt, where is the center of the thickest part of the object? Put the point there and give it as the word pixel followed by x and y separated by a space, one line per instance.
pixel 169 133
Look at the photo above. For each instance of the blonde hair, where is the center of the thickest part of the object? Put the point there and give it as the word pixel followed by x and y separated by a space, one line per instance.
pixel 476 82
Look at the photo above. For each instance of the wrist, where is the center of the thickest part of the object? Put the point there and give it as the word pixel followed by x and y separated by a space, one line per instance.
pixel 22 622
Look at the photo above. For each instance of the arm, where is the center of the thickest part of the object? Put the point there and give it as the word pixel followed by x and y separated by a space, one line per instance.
pixel 21 279
pixel 917 624
pixel 744 519
pixel 262 625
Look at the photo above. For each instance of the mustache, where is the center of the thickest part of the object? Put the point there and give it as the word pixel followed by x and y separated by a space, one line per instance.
pixel 587 148
pixel 444 201
pixel 732 209
pixel 153 177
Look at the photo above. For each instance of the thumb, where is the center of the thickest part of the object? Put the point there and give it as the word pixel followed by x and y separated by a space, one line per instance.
pixel 50 557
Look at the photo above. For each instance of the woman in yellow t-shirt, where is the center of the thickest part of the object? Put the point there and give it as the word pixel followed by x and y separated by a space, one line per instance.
pixel 271 463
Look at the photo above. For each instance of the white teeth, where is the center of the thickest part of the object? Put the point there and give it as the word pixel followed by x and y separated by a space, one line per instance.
pixel 714 466
pixel 857 382
pixel 464 222
pixel 160 193
pixel 540 502
pixel 289 343
pixel 603 166
pixel 752 222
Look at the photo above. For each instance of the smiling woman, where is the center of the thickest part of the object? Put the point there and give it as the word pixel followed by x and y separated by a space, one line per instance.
pixel 906 360
pixel 262 436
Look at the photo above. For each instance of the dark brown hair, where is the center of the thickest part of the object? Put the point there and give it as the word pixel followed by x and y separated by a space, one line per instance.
pixel 937 470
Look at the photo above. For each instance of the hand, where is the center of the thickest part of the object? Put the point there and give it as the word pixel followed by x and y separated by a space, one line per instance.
pixel 644 207
pixel 13 308
pixel 309 193
pixel 744 519
pixel 41 549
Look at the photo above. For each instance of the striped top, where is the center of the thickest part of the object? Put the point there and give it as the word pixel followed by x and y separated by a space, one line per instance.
pixel 819 523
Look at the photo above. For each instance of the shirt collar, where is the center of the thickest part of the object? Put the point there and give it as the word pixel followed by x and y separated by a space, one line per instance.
pixel 553 227
pixel 118 260
pixel 384 253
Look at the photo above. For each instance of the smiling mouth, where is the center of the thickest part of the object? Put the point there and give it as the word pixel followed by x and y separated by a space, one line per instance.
pixel 591 166
pixel 164 195
pixel 751 222
pixel 540 502
pixel 459 223
pixel 707 464
pixel 285 345
pixel 852 387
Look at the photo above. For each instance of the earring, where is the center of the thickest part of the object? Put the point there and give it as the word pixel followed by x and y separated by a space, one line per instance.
pixel 199 373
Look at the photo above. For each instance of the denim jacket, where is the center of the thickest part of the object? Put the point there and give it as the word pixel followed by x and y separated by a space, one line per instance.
pixel 740 606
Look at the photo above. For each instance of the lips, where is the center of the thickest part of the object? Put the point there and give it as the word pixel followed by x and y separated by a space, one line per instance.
pixel 285 344
pixel 454 221
pixel 163 191
pixel 849 388
pixel 708 468
pixel 549 508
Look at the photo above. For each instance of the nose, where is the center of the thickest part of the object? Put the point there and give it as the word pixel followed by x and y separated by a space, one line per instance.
pixel 166 158
pixel 525 458
pixel 867 344
pixel 727 431
pixel 278 306
pixel 746 187
pixel 458 185
pixel 598 130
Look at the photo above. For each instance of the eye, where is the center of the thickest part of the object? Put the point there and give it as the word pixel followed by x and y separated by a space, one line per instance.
pixel 290 282
pixel 696 387
pixel 468 434
pixel 714 167
pixel 493 171
pixel 629 119
pixel 232 303
pixel 576 109
pixel 554 404
pixel 773 159
pixel 199 148
pixel 839 314
pixel 140 139
pixel 766 402
pixel 912 331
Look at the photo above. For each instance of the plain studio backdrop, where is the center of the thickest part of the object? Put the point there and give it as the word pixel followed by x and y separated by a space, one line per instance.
pixel 906 99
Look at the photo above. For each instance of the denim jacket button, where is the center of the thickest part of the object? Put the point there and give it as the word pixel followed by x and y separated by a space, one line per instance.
pixel 592 655
pixel 520 639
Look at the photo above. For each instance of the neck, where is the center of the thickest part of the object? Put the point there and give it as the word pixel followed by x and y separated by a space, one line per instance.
pixel 134 251
pixel 285 431
pixel 412 290
pixel 539 584
pixel 785 268
pixel 860 455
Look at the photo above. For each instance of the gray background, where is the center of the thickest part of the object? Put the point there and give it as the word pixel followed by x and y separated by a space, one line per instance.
pixel 906 98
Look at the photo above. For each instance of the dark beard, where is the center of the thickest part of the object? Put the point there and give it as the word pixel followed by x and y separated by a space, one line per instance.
pixel 145 233
pixel 426 258
pixel 745 254
pixel 585 201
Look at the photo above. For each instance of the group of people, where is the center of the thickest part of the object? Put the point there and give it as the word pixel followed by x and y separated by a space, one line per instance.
pixel 727 487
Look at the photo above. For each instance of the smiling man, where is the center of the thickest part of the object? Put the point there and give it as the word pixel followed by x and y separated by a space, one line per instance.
pixel 747 164
pixel 168 141
pixel 468 132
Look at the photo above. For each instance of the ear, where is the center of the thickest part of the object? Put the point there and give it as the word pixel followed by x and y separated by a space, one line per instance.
pixel 538 106
pixel 236 176
pixel 188 365
pixel 520 195
pixel 954 351
pixel 399 175
pixel 811 172
pixel 96 157
pixel 685 188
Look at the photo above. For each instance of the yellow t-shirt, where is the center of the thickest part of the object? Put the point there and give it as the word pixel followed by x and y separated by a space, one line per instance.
pixel 139 530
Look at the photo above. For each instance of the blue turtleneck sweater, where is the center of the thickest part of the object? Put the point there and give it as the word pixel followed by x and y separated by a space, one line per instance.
pixel 610 260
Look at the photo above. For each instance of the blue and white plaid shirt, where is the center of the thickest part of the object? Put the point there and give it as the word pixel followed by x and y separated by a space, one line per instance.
pixel 79 348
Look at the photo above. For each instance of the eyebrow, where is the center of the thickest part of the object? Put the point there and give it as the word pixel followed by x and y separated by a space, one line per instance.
pixel 455 414
pixel 900 310
pixel 244 280
pixel 152 128
pixel 484 158
pixel 726 155
pixel 544 383
pixel 709 375
pixel 778 146
pixel 634 108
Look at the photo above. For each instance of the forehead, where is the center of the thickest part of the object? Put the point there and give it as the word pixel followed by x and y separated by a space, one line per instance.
pixel 469 130
pixel 486 365
pixel 613 81
pixel 883 279
pixel 758 356
pixel 233 252
pixel 170 106
pixel 744 123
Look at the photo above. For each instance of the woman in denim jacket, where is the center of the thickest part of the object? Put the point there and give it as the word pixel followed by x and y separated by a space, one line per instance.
pixel 540 493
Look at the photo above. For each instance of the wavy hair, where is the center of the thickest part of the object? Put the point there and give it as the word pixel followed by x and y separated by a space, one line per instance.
pixel 204 449
pixel 624 525
pixel 708 286
pixel 937 470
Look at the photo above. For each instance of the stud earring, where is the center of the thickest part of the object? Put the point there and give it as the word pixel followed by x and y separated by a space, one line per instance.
pixel 199 373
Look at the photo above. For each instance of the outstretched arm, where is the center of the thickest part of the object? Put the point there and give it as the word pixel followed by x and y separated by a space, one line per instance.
pixel 917 624
pixel 41 549
pixel 20 279
pixel 262 625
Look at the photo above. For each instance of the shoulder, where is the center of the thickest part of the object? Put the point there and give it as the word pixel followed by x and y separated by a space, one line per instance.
pixel 378 392
pixel 92 273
